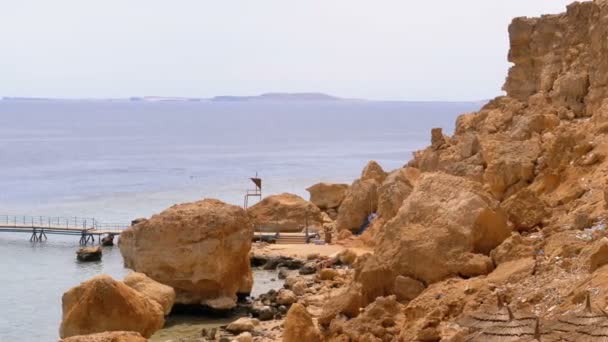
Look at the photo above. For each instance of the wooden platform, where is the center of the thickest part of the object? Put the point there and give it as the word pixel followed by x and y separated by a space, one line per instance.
pixel 40 226
pixel 282 238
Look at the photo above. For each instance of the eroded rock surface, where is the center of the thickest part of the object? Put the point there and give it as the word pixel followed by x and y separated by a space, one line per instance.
pixel 104 304
pixel 199 249
pixel 285 213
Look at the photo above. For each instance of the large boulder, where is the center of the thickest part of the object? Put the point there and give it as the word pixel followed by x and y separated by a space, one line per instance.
pixel 327 195
pixel 525 210
pixel 104 304
pixel 445 228
pixel 162 294
pixel 200 249
pixel 111 336
pixel 285 213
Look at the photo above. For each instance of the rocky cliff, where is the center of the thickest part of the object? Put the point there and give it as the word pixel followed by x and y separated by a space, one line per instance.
pixel 513 203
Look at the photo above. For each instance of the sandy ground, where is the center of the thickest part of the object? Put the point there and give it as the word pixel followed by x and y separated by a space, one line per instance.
pixel 300 251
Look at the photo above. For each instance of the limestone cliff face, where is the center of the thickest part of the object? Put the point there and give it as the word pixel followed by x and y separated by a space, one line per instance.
pixel 532 162
pixel 563 57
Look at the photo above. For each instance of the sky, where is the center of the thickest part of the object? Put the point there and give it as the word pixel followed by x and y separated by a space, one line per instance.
pixel 381 49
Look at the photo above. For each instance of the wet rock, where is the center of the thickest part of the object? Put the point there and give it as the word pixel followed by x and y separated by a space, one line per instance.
pixel 283 273
pixel 266 313
pixel 108 240
pixel 89 254
pixel 258 260
pixel 282 261
pixel 308 268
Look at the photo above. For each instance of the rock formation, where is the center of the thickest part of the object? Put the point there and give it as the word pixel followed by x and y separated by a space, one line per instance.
pixel 299 326
pixel 162 294
pixel 89 254
pixel 446 227
pixel 104 304
pixel 285 213
pixel 361 199
pixel 327 195
pixel 513 202
pixel 200 249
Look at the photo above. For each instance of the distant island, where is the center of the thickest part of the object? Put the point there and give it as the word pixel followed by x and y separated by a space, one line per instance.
pixel 265 97
pixel 279 97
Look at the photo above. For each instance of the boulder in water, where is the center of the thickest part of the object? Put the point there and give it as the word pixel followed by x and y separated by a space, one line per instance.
pixel 89 254
pixel 200 249
pixel 108 240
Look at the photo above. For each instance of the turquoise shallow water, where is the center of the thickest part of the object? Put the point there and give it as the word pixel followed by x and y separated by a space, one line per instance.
pixel 119 160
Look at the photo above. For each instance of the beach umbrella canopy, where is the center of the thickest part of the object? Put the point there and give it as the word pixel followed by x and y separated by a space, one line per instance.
pixel 579 320
pixel 522 330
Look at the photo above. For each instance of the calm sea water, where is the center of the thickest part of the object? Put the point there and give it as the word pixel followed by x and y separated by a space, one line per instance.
pixel 116 161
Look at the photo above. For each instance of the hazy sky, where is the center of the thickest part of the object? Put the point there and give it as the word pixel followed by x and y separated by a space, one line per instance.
pixel 382 49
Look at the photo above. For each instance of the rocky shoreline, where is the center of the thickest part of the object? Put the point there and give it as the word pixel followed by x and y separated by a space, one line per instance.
pixel 497 233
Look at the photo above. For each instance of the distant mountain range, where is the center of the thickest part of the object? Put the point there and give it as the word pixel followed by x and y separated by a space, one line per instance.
pixel 266 97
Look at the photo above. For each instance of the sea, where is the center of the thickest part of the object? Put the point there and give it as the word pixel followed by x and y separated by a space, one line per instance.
pixel 117 160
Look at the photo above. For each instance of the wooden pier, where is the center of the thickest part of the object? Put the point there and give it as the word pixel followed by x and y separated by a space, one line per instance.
pixel 39 226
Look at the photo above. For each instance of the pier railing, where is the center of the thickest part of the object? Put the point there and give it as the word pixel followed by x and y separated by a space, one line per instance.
pixel 68 223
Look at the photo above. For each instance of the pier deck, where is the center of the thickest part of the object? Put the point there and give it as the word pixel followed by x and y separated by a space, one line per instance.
pixel 40 226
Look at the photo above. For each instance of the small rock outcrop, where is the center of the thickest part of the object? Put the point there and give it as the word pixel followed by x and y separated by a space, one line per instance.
pixel 327 195
pixel 103 304
pixel 108 240
pixel 200 249
pixel 89 254
pixel 299 326
pixel 162 294
pixel 285 213
pixel 374 171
